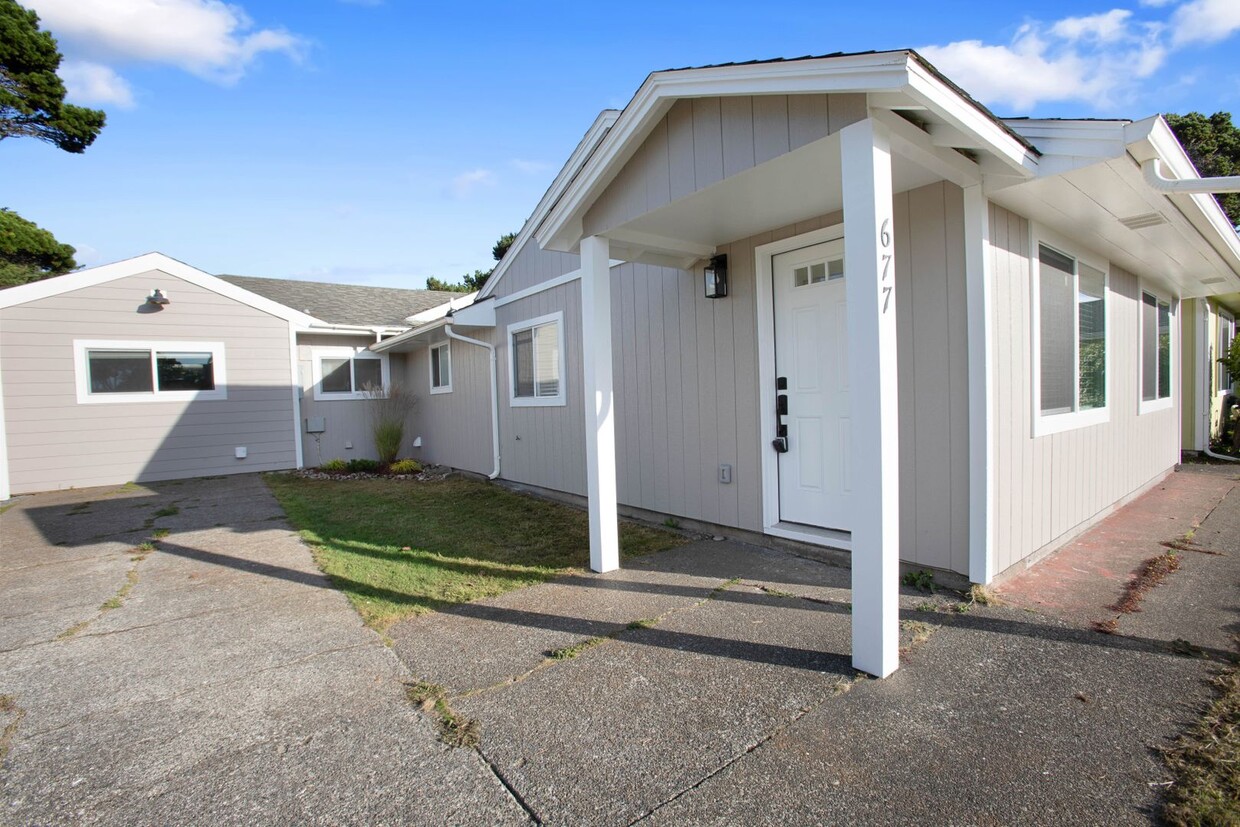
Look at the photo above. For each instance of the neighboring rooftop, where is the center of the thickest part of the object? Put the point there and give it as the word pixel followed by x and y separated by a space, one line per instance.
pixel 350 304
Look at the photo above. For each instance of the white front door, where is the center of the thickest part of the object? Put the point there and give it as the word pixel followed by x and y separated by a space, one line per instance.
pixel 811 361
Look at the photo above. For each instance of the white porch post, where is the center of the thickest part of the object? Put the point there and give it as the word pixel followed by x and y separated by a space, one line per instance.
pixel 981 419
pixel 869 258
pixel 599 403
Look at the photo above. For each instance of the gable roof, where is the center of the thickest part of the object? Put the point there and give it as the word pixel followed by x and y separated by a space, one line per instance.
pixel 346 304
pixel 23 293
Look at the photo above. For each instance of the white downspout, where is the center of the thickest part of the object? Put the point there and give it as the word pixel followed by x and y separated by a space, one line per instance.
pixel 1187 186
pixel 452 334
pixel 1208 372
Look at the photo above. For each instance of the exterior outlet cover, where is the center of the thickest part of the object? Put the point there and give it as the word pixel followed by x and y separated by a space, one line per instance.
pixel 725 474
pixel 417 443
pixel 240 452
pixel 348 446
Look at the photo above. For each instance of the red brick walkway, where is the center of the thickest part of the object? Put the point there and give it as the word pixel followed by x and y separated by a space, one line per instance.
pixel 1080 580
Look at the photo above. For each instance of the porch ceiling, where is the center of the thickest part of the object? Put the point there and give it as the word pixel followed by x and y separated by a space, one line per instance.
pixel 796 186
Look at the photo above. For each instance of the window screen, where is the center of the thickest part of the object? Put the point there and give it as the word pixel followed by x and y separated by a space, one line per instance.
pixel 441 368
pixel 1092 337
pixel 367 375
pixel 536 361
pixel 1057 307
pixel 185 371
pixel 336 376
pixel 523 363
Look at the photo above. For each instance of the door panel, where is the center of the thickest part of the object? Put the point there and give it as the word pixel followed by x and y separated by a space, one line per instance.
pixel 811 351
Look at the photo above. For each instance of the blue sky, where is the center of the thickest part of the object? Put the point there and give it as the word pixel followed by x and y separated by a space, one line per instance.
pixel 381 141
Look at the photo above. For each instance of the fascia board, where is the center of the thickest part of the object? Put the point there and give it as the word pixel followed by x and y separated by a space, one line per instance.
pixel 25 293
pixel 1152 138
pixel 967 118
pixel 588 142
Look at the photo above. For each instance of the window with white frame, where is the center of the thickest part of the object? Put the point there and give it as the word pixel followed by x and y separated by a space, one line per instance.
pixel 1070 341
pixel 441 368
pixel 1226 334
pixel 348 373
pixel 1156 364
pixel 536 353
pixel 135 371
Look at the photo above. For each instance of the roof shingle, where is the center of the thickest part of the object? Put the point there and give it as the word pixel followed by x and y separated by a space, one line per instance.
pixel 349 304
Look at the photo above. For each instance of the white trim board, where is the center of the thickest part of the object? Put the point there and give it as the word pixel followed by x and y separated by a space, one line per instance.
pixel 765 309
pixel 25 293
pixel 81 369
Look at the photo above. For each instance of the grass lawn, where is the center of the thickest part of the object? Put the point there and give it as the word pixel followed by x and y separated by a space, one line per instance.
pixel 400 548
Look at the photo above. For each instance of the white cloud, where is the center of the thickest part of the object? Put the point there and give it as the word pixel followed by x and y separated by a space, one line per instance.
pixel 208 38
pixel 95 84
pixel 467 183
pixel 1106 27
pixel 1097 59
pixel 1205 21
pixel 1156 4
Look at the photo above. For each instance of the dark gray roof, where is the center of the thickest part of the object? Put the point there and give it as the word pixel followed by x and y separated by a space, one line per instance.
pixel 351 304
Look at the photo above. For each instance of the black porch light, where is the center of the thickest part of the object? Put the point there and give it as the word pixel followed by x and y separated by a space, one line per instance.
pixel 716 274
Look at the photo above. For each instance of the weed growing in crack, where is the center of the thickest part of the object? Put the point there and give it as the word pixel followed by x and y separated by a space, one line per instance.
pixel 570 652
pixel 455 730
pixel 166 511
pixel 1153 571
pixel 921 580
pixel 161 533
pixel 643 623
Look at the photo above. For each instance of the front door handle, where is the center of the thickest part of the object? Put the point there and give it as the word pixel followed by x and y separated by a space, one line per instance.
pixel 780 443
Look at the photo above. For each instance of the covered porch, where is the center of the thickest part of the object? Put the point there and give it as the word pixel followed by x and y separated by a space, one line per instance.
pixel 739 184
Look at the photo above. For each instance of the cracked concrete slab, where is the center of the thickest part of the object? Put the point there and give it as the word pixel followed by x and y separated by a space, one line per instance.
pixel 233 685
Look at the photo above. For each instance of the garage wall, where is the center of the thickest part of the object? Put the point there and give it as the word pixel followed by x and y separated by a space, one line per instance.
pixel 56 442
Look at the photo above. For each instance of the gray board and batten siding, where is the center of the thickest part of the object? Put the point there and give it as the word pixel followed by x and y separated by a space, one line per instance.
pixel 1047 488
pixel 55 442
pixel 455 427
pixel 686 374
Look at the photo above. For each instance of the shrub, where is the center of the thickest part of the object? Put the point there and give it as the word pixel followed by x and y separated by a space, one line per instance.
pixel 334 466
pixel 363 466
pixel 405 466
pixel 388 410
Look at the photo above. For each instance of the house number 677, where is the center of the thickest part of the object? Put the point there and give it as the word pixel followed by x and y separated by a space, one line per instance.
pixel 884 244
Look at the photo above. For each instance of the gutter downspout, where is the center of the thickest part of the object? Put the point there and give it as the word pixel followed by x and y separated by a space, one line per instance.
pixel 452 334
pixel 1187 186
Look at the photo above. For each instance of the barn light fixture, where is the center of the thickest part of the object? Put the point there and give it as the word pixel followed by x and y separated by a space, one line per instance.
pixel 716 274
pixel 158 297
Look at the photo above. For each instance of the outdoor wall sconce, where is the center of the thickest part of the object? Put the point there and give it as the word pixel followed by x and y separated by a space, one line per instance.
pixel 158 297
pixel 716 274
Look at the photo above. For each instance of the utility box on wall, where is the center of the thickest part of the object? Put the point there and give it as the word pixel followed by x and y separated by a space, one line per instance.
pixel 316 424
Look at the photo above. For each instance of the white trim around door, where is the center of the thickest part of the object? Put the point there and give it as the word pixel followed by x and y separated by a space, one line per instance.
pixel 765 298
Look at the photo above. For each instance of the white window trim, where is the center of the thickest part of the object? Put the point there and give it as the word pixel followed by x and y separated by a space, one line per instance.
pixel 1047 424
pixel 318 354
pixel 560 399
pixel 1145 407
pixel 82 370
pixel 430 367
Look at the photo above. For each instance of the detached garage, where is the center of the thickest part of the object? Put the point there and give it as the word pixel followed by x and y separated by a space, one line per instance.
pixel 147 369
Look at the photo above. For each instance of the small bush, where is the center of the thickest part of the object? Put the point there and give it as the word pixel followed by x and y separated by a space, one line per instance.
pixel 405 466
pixel 363 466
pixel 334 466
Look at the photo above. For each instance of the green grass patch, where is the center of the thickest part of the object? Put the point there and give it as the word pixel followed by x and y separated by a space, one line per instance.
pixel 570 652
pixel 166 511
pixel 400 549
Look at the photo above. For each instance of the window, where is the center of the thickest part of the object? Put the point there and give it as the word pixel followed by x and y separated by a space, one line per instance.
pixel 348 373
pixel 115 371
pixel 1070 342
pixel 441 368
pixel 537 357
pixel 1155 353
pixel 1226 333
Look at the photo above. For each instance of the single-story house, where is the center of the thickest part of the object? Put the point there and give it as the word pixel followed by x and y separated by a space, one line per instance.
pixel 149 369
pixel 837 300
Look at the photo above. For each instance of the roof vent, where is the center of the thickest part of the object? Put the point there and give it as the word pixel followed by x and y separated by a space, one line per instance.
pixel 1140 222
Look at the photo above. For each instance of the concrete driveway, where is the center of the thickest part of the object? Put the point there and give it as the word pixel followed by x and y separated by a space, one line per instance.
pixel 706 685
pixel 228 684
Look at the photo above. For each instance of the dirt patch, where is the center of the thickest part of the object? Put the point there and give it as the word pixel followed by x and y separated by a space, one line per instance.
pixel 1152 572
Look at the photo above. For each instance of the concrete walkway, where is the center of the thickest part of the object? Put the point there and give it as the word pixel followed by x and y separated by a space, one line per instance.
pixel 230 684
pixel 706 685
